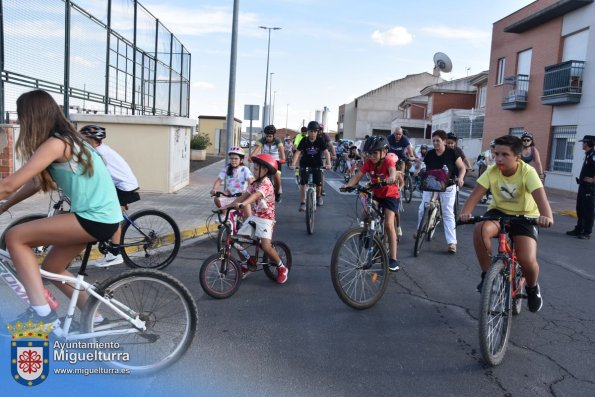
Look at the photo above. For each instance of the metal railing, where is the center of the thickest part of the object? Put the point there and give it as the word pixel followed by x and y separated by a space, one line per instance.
pixel 111 57
pixel 563 78
pixel 519 88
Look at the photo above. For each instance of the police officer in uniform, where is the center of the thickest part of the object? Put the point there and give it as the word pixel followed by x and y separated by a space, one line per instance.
pixel 585 200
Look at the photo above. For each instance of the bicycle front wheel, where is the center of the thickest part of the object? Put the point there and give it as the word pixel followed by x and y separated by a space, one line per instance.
pixel 311 196
pixel 359 268
pixel 284 253
pixel 495 314
pixel 220 276
pixel 434 221
pixel 150 240
pixel 158 299
pixel 422 231
pixel 408 189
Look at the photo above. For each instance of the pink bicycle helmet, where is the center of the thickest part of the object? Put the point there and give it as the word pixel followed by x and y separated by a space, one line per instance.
pixel 236 150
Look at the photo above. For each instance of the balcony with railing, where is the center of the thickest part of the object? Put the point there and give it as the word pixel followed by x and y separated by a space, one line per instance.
pixel 516 89
pixel 563 83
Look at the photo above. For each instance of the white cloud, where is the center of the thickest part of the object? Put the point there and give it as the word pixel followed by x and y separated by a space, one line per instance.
pixel 395 36
pixel 78 60
pixel 202 85
pixel 199 21
pixel 448 32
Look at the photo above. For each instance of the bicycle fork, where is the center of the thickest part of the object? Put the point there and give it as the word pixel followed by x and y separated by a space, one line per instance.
pixel 369 244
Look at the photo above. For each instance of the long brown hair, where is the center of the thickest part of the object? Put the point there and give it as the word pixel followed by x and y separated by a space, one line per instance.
pixel 40 117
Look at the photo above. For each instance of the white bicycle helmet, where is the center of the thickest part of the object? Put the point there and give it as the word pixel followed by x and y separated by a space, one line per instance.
pixel 236 150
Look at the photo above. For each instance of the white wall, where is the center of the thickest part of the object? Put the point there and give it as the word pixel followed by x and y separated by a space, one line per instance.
pixel 155 147
pixel 583 114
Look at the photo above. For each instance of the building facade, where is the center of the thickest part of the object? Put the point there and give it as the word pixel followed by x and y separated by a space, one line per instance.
pixel 216 128
pixel 373 112
pixel 541 69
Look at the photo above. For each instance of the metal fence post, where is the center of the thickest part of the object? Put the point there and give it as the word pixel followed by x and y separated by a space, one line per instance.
pixel 66 99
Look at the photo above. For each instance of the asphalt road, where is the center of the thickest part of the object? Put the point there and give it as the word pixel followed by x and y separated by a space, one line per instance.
pixel 299 339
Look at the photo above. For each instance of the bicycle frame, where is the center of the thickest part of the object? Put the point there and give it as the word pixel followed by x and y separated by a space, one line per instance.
pixel 232 239
pixel 375 214
pixel 78 283
pixel 310 186
pixel 507 254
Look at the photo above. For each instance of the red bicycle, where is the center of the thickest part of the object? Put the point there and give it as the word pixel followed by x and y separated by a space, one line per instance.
pixel 502 291
pixel 220 274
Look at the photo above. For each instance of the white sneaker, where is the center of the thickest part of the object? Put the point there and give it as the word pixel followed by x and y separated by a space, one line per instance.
pixel 109 260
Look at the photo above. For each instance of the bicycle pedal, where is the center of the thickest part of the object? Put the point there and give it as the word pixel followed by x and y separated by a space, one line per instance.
pixel 521 296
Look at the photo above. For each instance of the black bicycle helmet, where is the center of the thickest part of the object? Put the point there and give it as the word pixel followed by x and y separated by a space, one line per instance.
pixel 376 142
pixel 94 131
pixel 452 136
pixel 313 126
pixel 270 130
pixel 304 129
pixel 527 134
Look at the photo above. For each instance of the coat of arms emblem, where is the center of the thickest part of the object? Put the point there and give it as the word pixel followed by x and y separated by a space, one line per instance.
pixel 29 352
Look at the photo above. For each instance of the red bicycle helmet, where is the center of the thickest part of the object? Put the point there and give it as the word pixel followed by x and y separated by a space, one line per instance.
pixel 266 160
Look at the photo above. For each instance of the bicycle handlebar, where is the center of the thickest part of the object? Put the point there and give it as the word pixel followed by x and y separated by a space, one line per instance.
pixel 504 218
pixel 364 188
pixel 219 194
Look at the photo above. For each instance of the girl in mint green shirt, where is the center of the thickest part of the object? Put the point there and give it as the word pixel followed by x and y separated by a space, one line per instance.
pixel 55 155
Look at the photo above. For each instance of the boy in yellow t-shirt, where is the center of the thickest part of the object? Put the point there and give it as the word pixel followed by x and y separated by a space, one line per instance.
pixel 516 190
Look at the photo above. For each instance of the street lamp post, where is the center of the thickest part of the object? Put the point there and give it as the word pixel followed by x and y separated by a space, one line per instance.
pixel 270 99
pixel 266 76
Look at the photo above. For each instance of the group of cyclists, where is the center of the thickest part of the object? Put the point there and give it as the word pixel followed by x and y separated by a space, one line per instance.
pixel 386 159
pixel 59 156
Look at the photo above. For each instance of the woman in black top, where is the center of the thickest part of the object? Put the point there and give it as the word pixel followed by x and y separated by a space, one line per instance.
pixel 436 159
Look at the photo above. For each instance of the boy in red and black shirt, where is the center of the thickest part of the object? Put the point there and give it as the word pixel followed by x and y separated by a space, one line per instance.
pixel 381 167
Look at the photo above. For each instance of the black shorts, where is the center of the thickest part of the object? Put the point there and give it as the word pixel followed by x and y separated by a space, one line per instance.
pixel 516 229
pixel 316 175
pixel 101 231
pixel 389 203
pixel 126 198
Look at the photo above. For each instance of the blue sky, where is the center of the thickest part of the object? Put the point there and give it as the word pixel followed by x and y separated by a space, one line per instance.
pixel 328 51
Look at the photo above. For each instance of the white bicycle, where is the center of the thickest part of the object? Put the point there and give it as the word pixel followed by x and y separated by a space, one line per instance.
pixel 148 313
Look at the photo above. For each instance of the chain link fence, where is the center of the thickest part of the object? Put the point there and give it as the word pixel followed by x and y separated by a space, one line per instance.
pixel 105 57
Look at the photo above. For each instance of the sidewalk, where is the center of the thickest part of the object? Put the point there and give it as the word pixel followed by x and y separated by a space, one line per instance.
pixel 191 206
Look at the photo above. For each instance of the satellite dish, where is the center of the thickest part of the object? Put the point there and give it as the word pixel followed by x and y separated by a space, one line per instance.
pixel 442 63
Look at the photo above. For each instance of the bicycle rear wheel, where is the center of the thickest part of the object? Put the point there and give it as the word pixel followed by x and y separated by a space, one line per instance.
pixel 408 189
pixel 359 268
pixel 270 268
pixel 310 210
pixel 220 276
pixel 162 302
pixel 494 314
pixel 422 231
pixel 151 241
